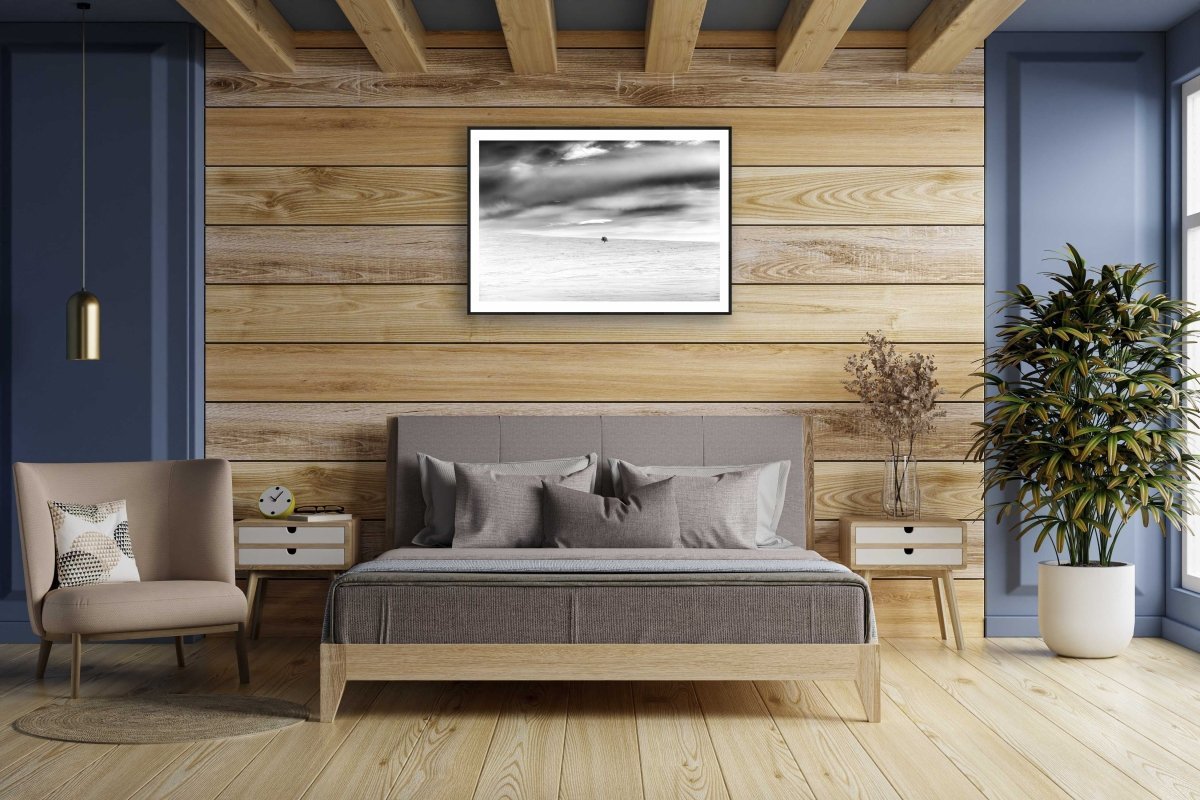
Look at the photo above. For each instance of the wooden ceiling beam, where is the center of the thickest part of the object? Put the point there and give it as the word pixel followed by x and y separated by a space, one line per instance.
pixel 253 30
pixel 809 32
pixel 672 27
pixel 530 35
pixel 948 30
pixel 391 30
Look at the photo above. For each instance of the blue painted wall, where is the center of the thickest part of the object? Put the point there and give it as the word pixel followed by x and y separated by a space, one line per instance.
pixel 1182 622
pixel 144 399
pixel 1074 152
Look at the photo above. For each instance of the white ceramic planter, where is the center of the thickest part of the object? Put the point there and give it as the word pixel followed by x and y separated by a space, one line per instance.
pixel 1086 612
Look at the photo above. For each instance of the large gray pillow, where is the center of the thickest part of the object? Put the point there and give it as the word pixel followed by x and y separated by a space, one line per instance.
pixel 438 489
pixel 772 491
pixel 719 511
pixel 648 517
pixel 503 510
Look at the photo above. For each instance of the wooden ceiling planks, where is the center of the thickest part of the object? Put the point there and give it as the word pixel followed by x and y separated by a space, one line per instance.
pixel 809 32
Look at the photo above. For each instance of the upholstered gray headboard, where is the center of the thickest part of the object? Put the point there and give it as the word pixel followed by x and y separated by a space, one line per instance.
pixel 657 440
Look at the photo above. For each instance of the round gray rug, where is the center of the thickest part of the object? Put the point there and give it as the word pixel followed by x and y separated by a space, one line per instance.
pixel 160 718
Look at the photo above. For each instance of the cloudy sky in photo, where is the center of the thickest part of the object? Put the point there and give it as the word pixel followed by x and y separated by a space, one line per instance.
pixel 632 189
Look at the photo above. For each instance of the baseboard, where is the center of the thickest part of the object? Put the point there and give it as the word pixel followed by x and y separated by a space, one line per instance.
pixel 995 627
pixel 1181 634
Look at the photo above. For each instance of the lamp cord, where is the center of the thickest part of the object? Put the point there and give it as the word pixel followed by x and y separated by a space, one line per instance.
pixel 83 7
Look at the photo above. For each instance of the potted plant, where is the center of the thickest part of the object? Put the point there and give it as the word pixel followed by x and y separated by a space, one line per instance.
pixel 1087 425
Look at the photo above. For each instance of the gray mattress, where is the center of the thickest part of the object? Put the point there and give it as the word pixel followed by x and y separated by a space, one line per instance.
pixel 553 596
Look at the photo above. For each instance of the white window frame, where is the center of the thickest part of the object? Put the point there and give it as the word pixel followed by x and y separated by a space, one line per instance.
pixel 1190 184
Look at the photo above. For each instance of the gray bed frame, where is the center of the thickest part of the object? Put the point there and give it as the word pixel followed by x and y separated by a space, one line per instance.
pixel 675 440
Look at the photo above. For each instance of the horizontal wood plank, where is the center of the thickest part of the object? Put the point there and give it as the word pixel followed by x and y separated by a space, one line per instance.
pixel 429 136
pixel 603 40
pixel 549 372
pixel 437 195
pixel 595 78
pixel 840 488
pixel 375 254
pixel 358 431
pixel 438 314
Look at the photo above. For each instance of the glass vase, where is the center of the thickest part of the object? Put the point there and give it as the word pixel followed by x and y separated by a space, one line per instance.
pixel 901 488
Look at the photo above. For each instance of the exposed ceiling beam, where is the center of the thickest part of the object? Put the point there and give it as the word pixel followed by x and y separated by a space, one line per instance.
pixel 810 30
pixel 251 29
pixel 530 34
pixel 950 29
pixel 391 30
pixel 671 30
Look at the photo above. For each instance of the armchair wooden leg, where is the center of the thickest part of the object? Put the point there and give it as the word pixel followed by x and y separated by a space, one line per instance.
pixel 243 662
pixel 76 663
pixel 43 657
pixel 179 657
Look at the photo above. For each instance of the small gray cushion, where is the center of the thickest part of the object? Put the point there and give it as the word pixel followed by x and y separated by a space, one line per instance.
pixel 714 511
pixel 502 510
pixel 772 491
pixel 647 517
pixel 438 489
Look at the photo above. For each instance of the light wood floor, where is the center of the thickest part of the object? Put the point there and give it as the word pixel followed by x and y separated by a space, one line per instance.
pixel 1003 720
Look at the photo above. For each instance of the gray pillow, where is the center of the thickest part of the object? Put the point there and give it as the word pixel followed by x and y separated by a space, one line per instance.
pixel 772 491
pixel 718 511
pixel 648 517
pixel 438 489
pixel 503 510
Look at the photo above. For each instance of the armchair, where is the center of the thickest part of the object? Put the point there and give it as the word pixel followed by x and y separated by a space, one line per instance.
pixel 181 523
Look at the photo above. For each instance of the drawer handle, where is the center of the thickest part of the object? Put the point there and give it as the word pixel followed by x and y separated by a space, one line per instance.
pixel 907 529
pixel 291 528
pixel 292 551
pixel 908 551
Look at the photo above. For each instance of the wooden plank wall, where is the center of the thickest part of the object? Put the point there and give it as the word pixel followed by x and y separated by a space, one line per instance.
pixel 336 263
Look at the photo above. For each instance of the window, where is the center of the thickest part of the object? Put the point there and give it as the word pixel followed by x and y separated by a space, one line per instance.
pixel 1191 285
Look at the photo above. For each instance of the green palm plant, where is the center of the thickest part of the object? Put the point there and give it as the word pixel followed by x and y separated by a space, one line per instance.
pixel 1091 408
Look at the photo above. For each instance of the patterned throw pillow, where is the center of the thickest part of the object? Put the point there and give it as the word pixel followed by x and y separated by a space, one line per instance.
pixel 93 543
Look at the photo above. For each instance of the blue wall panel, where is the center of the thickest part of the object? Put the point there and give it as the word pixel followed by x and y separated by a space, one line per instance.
pixel 1074 153
pixel 144 398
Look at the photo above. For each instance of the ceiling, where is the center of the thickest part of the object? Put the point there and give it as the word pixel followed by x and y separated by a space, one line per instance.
pixel 1035 15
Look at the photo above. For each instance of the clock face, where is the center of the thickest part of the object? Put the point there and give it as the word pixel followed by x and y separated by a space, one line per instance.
pixel 276 501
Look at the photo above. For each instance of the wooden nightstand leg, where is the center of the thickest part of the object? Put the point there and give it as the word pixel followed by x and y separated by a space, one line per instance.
pixel 952 601
pixel 251 598
pixel 937 599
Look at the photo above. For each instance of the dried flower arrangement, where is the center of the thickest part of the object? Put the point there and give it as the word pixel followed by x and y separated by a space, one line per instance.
pixel 898 392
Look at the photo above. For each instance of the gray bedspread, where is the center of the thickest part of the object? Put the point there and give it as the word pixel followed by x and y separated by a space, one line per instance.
pixel 545 595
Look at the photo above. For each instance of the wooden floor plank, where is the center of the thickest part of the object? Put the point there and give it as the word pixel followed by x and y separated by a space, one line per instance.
pixel 1074 767
pixel 912 762
pixel 832 760
pixel 525 757
pixel 678 760
pixel 1157 769
pixel 600 755
pixel 369 761
pixel 450 752
pixel 1152 680
pixel 997 769
pixel 754 757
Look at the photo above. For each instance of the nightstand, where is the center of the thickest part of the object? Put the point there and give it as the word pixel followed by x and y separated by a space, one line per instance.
pixel 925 548
pixel 278 548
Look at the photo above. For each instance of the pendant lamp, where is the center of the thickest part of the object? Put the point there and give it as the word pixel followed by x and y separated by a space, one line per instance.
pixel 83 307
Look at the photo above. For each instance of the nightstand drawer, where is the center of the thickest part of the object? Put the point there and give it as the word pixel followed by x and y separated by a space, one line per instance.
pixel 291 535
pixel 908 535
pixel 298 557
pixel 904 556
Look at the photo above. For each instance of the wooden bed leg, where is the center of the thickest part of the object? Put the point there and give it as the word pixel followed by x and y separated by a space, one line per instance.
pixel 333 680
pixel 868 682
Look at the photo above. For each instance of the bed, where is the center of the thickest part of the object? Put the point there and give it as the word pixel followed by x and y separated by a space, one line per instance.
pixel 599 614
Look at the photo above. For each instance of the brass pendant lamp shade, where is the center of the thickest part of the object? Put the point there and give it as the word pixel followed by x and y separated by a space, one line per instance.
pixel 83 307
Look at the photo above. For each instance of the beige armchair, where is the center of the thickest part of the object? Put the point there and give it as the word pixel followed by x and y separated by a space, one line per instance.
pixel 181 524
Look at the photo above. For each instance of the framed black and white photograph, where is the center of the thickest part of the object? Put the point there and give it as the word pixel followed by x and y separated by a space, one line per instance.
pixel 600 221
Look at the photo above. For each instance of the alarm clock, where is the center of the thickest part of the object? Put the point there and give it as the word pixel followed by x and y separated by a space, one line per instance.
pixel 276 502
